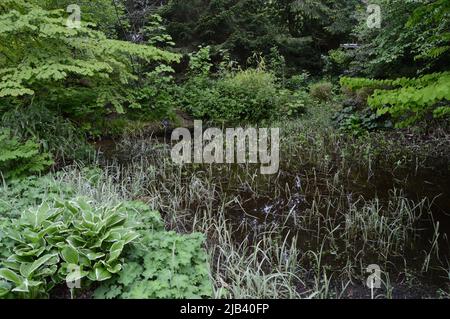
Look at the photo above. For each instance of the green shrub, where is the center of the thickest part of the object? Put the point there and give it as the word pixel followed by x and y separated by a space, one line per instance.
pixel 53 239
pixel 246 96
pixel 200 61
pixel 322 91
pixel 57 135
pixel 298 82
pixel 407 100
pixel 163 265
pixel 293 104
pixel 357 121
pixel 252 95
pixel 18 195
pixel 337 61
pixel 20 159
pixel 41 225
pixel 77 69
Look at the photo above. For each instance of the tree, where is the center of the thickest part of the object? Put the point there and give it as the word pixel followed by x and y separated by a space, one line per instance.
pixel 426 44
pixel 300 30
pixel 391 50
pixel 77 70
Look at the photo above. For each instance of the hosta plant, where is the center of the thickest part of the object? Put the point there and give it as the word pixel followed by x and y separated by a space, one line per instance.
pixel 69 241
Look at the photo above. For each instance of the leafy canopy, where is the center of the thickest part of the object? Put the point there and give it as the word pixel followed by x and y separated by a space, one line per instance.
pixel 41 58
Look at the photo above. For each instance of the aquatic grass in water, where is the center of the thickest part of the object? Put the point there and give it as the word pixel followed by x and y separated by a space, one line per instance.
pixel 309 231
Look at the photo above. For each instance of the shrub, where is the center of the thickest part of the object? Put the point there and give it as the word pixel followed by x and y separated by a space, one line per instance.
pixel 407 100
pixel 20 194
pixel 251 96
pixel 299 81
pixel 77 68
pixel 293 103
pixel 321 91
pixel 356 120
pixel 337 61
pixel 200 61
pixel 19 159
pixel 48 239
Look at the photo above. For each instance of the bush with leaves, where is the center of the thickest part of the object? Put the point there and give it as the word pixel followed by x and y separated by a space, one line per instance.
pixel 105 14
pixel 200 62
pixel 355 121
pixel 321 91
pixel 78 70
pixel 337 61
pixel 410 32
pixel 244 96
pixel 64 242
pixel 47 239
pixel 19 159
pixel 18 195
pixel 424 46
pixel 407 99
pixel 57 135
pixel 298 81
pixel 293 103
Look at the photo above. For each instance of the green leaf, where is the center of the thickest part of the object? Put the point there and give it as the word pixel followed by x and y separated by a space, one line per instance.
pixel 26 284
pixel 5 288
pixel 76 275
pixel 99 273
pixel 91 255
pixel 70 255
pixel 130 237
pixel 115 251
pixel 28 269
pixel 10 275
pixel 114 269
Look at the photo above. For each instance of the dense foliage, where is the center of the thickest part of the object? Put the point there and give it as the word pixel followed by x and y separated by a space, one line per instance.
pixel 50 238
pixel 131 66
pixel 300 30
pixel 409 99
pixel 19 159
pixel 167 265
pixel 66 241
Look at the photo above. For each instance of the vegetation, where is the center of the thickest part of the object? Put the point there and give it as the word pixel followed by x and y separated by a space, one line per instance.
pixel 18 159
pixel 92 205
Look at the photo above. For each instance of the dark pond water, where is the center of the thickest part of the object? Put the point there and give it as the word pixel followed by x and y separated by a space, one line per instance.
pixel 252 212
